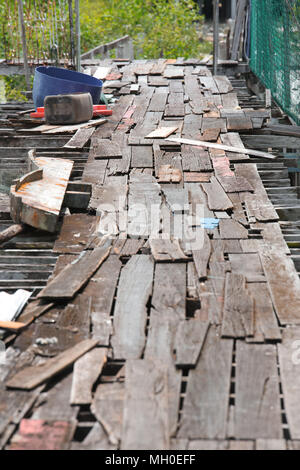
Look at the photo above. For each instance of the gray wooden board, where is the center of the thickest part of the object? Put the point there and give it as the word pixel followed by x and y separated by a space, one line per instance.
pixel 238 213
pixel 257 402
pixel 189 340
pixel 223 84
pixel 272 234
pixel 177 199
pixel 166 250
pixel 33 376
pixel 75 275
pixel 76 231
pixel 231 229
pixel 191 126
pixel 141 157
pixel 85 373
pixel 145 406
pixel 80 138
pixel 205 408
pixel 110 197
pixel 195 159
pixel 160 345
pixel 265 322
pixel 170 288
pixel 233 139
pixel 283 283
pixel 130 313
pixel 107 406
pixel 105 148
pixel 238 313
pixel 213 123
pixel 288 352
pixel 158 101
pixel 202 255
pixel 247 264
pixel 217 198
pixel 209 84
pixel 94 171
pixel 131 247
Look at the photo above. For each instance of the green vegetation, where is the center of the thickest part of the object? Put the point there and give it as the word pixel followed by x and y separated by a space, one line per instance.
pixel 11 87
pixel 159 28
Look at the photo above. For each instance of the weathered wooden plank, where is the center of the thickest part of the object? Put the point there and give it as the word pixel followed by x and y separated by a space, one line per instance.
pixel 107 406
pixel 145 421
pixel 223 84
pixel 231 229
pixel 248 265
pixel 272 235
pixel 217 198
pixel 283 283
pixel 195 159
pixel 158 100
pixel 257 402
pixel 288 352
pixel 176 198
pixel 172 71
pixel 209 84
pixel 270 444
pixel 76 232
pixel 105 148
pixel 167 174
pixel 80 138
pixel 202 255
pixel 205 407
pixel 189 340
pixel 141 156
pixel 167 250
pixel 33 376
pixel 238 313
pixel 85 373
pixel 161 132
pixel 265 322
pixel 196 177
pixel 75 275
pixel 130 313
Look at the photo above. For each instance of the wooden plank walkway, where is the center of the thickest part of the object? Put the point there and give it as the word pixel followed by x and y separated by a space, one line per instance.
pixel 186 314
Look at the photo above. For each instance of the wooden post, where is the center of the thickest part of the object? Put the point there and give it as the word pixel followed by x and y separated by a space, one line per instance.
pixel 77 35
pixel 216 37
pixel 24 45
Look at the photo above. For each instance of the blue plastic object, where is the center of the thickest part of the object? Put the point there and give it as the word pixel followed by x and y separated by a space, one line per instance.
pixel 209 223
pixel 56 81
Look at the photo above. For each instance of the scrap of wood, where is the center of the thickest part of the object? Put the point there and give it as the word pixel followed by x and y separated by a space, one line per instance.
pixel 201 255
pixel 161 132
pixel 12 325
pixel 217 198
pixel 146 385
pixel 75 127
pixel 166 250
pixel 85 373
pixel 80 138
pixel 196 177
pixel 33 376
pixel 189 340
pixel 168 174
pixel 75 275
pixel 227 148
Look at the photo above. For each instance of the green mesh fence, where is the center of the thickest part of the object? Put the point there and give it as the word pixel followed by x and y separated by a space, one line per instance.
pixel 275 50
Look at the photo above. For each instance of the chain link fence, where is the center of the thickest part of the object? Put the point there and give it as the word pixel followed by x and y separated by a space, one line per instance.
pixel 275 50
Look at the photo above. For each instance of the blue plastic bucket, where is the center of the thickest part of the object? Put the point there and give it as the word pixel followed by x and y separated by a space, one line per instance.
pixel 56 81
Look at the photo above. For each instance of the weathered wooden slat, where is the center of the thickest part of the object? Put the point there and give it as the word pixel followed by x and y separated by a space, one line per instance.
pixel 33 376
pixel 80 138
pixel 283 283
pixel 257 402
pixel 167 250
pixel 195 159
pixel 77 230
pixel 105 148
pixel 158 101
pixel 146 400
pixel 223 84
pixel 130 313
pixel 205 407
pixel 141 157
pixel 217 198
pixel 288 352
pixel 75 275
pixel 238 314
pixel 85 373
pixel 189 340
pixel 202 255
pixel 248 265
pixel 107 406
pixel 231 229
pixel 265 321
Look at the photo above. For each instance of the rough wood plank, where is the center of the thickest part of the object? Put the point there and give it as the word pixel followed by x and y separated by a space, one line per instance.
pixel 105 148
pixel 77 230
pixel 130 313
pixel 80 138
pixel 189 340
pixel 283 283
pixel 257 402
pixel 161 132
pixel 265 322
pixel 141 156
pixel 288 352
pixel 248 265
pixel 217 198
pixel 146 406
pixel 202 255
pixel 205 407
pixel 195 159
pixel 85 373
pixel 75 275
pixel 167 174
pixel 33 376
pixel 231 229
pixel 238 313
pixel 166 250
pixel 107 406
pixel 223 84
